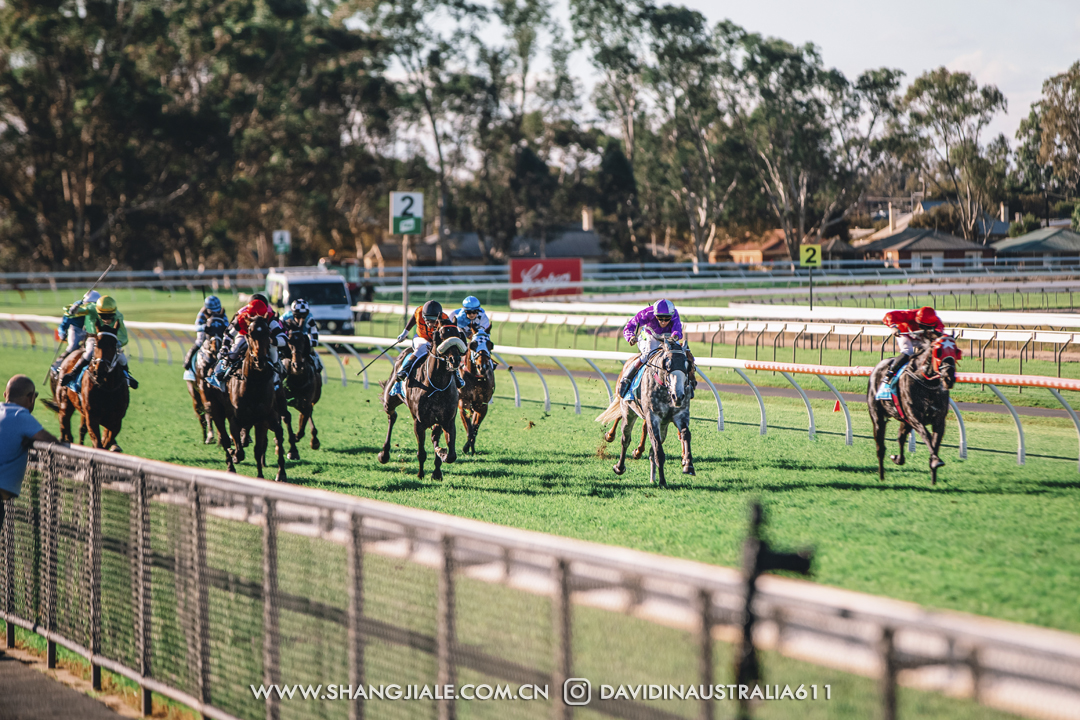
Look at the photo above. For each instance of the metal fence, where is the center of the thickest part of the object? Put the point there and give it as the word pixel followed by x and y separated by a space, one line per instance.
pixel 199 585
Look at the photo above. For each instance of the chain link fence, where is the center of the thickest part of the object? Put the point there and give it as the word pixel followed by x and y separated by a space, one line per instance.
pixel 209 588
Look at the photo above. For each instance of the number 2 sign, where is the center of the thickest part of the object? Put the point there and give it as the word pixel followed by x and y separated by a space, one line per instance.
pixel 810 256
pixel 406 213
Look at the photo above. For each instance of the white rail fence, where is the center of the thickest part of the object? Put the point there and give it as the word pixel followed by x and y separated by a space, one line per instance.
pixel 165 333
pixel 196 584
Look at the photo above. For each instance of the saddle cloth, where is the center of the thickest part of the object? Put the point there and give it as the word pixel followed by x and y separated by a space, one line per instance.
pixel 76 383
pixel 888 391
pixel 634 393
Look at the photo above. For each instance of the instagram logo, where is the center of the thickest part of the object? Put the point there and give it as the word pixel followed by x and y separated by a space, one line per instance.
pixel 577 691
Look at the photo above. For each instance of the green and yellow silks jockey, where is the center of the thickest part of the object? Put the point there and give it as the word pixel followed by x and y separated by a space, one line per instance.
pixel 103 317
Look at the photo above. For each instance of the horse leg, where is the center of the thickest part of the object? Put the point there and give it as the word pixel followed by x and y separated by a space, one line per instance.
pixel 384 454
pixel 467 448
pixel 628 419
pixel 901 437
pixel 451 438
pixel 656 434
pixel 66 411
pixel 636 455
pixel 879 422
pixel 95 432
pixel 260 448
pixel 294 454
pixel 932 442
pixel 436 472
pixel 279 444
pixel 309 414
pixel 478 418
pixel 687 454
pixel 421 452
pixel 611 433
pixel 238 445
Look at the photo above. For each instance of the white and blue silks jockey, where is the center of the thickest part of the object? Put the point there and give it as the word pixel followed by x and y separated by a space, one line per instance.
pixel 211 317
pixel 71 326
pixel 471 318
pixel 661 318
pixel 298 319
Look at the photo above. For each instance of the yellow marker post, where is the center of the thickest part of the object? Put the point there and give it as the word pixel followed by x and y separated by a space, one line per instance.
pixel 810 258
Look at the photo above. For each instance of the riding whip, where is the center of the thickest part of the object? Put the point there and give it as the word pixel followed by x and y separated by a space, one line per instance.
pixel 377 357
pixel 100 278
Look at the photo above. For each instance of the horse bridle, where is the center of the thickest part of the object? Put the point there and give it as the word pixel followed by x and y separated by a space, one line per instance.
pixel 116 355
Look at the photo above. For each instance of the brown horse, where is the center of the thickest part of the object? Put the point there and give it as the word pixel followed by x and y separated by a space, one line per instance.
pixel 303 388
pixel 478 371
pixel 431 394
pixel 102 398
pixel 253 401
pixel 207 401
pixel 922 403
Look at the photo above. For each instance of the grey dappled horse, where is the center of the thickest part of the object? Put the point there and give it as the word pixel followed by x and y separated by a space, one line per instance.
pixel 665 399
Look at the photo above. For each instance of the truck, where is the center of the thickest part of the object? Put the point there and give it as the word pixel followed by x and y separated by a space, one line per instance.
pixel 326 292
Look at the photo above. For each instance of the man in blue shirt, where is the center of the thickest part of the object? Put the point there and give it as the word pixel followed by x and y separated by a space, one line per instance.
pixel 18 429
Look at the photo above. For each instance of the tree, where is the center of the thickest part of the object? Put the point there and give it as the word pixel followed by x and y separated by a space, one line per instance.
pixel 946 115
pixel 1059 111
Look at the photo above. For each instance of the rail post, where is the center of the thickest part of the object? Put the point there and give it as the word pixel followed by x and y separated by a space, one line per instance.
pixel 445 633
pixel 141 576
pixel 716 395
pixel 355 577
pixel 577 395
pixel 843 406
pixel 1068 409
pixel 363 371
pixel 1020 451
pixel 704 603
pixel 517 390
pixel 547 396
pixel 201 625
pixel 963 430
pixel 341 365
pixel 806 402
pixel 271 634
pixel 757 394
pixel 93 548
pixel 561 612
pixel 610 395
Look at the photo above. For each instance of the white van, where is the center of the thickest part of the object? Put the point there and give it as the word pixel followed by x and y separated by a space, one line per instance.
pixel 326 293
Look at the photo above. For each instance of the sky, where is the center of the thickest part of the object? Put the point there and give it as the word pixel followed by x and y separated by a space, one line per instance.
pixel 1013 45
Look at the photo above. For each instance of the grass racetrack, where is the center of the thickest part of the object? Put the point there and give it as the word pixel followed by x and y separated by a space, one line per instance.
pixel 992 538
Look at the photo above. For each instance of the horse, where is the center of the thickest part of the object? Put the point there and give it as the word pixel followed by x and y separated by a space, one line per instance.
pixel 303 388
pixel 665 399
pixel 253 401
pixel 102 398
pixel 431 394
pixel 923 401
pixel 206 400
pixel 478 371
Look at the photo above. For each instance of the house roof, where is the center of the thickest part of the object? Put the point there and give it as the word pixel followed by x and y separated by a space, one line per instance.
pixel 567 243
pixel 1043 240
pixel 772 242
pixel 919 239
pixel 836 247
pixel 391 252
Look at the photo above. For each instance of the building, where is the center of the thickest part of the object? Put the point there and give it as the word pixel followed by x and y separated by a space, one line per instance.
pixel 384 255
pixel 1042 244
pixel 925 248
pixel 769 248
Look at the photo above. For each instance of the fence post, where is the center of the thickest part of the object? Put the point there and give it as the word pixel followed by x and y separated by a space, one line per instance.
pixel 49 526
pixel 547 396
pixel 705 647
pixel 889 669
pixel 963 430
pixel 1020 452
pixel 271 650
pixel 355 570
pixel 202 595
pixel 806 402
pixel 141 577
pixel 93 543
pixel 757 394
pixel 517 390
pixel 7 534
pixel 561 619
pixel 577 395
pixel 445 632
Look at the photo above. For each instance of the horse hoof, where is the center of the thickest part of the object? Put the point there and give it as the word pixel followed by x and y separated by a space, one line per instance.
pixel 315 444
pixel 443 453
pixel 936 463
pixel 117 449
pixel 293 455
pixel 688 470
pixel 280 477
pixel 450 458
pixel 619 469
pixel 663 483
pixel 897 459
pixel 436 475
pixel 384 457
pixel 636 455
pixel 208 440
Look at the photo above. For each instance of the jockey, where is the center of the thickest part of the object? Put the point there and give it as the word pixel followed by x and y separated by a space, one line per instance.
pixel 232 351
pixel 661 318
pixel 910 325
pixel 71 326
pixel 427 319
pixel 298 319
pixel 211 315
pixel 471 318
pixel 103 317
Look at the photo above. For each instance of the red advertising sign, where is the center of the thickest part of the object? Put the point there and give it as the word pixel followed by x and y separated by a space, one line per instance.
pixel 544 276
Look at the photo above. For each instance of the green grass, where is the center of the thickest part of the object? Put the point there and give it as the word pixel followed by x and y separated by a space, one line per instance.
pixel 992 538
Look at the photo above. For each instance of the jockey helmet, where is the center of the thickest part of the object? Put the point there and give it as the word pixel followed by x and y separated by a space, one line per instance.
pixel 260 296
pixel 431 311
pixel 106 305
pixel 471 303
pixel 257 307
pixel 300 307
pixel 663 309
pixel 91 297
pixel 926 317
pixel 212 304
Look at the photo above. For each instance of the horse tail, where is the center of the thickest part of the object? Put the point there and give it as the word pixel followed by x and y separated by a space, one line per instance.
pixel 613 412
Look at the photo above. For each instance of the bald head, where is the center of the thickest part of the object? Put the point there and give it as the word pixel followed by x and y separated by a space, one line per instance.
pixel 20 390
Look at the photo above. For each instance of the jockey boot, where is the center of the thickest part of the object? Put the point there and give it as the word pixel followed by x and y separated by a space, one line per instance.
pixel 628 376
pixel 74 372
pixel 190 356
pixel 406 366
pixel 132 382
pixel 884 391
pixel 460 379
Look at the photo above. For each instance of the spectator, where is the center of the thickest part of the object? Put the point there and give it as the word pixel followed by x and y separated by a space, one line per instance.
pixel 18 429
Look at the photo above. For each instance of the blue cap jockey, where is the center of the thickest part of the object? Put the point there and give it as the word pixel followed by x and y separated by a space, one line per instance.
pixel 211 319
pixel 471 318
